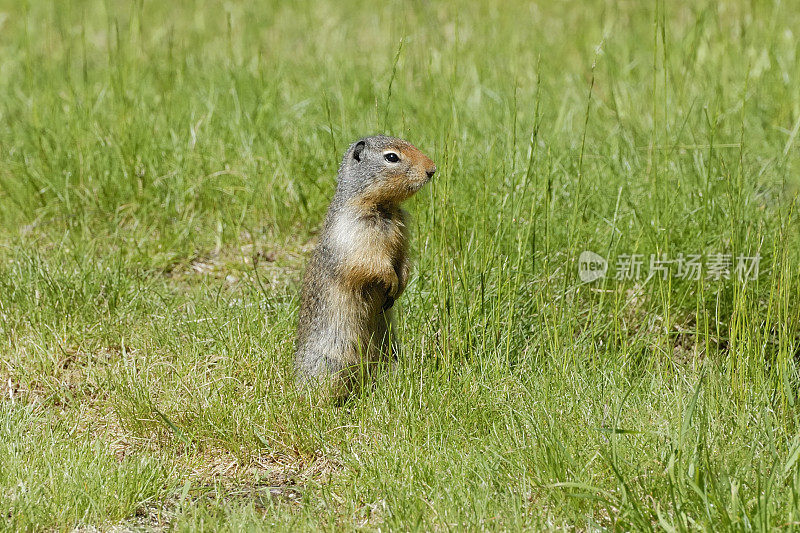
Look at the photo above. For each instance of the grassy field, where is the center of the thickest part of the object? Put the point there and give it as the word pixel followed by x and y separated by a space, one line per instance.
pixel 164 168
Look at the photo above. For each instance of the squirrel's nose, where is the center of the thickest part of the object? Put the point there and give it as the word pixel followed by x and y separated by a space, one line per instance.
pixel 431 171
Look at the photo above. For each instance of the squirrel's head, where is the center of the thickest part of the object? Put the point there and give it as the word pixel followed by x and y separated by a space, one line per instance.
pixel 383 170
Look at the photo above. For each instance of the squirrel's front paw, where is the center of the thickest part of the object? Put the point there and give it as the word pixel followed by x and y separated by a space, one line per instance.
pixel 392 291
pixel 392 285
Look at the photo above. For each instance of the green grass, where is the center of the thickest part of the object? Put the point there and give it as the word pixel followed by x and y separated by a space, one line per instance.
pixel 164 170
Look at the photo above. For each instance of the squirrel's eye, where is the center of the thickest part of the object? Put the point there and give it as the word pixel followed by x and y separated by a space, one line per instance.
pixel 391 157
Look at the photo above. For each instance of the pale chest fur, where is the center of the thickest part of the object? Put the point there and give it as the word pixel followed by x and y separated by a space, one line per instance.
pixel 370 246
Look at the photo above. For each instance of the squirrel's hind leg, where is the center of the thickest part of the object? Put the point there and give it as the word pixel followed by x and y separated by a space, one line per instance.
pixel 389 345
pixel 325 377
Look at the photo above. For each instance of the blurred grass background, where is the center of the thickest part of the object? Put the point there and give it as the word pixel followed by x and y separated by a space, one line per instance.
pixel 164 168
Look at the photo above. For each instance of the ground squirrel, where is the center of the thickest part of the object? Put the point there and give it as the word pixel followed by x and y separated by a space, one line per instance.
pixel 360 265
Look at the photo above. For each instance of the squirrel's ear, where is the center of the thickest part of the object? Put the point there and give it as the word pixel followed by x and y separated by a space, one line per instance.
pixel 358 149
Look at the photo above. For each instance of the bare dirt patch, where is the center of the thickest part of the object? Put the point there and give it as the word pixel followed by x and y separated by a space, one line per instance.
pixel 250 262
